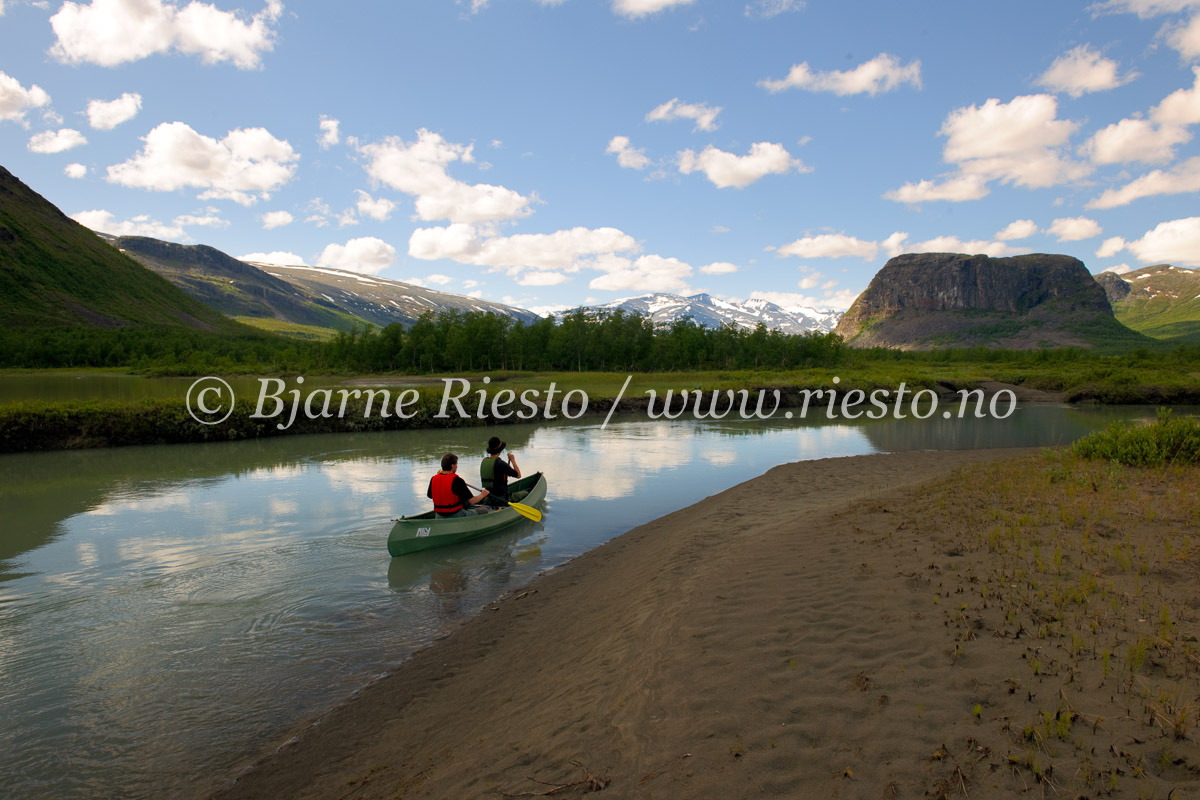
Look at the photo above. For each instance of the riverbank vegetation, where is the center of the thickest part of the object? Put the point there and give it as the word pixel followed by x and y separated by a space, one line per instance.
pixel 588 354
pixel 1168 441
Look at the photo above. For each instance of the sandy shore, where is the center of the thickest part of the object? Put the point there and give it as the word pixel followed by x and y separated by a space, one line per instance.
pixel 824 630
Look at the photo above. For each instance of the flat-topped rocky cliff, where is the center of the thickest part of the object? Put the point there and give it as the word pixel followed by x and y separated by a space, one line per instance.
pixel 922 301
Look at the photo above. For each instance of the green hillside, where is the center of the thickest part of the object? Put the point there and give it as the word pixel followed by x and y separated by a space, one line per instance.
pixel 56 273
pixel 1162 301
pixel 236 288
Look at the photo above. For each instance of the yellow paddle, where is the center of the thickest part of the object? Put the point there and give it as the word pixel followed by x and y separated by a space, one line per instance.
pixel 525 511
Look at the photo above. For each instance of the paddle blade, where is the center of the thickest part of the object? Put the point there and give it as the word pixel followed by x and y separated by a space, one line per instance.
pixel 526 511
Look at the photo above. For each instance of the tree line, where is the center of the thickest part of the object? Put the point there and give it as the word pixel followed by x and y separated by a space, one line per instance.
pixel 448 342
pixel 579 341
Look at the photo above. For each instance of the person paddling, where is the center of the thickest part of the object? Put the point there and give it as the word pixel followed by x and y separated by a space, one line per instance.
pixel 450 494
pixel 494 473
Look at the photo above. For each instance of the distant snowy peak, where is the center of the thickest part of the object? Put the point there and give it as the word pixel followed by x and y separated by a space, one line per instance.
pixel 713 312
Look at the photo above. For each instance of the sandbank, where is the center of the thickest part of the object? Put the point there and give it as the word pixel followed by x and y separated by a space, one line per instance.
pixel 823 630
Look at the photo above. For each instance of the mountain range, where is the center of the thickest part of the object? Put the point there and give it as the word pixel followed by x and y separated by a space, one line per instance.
pixel 55 272
pixel 712 312
pixel 381 301
pixel 299 295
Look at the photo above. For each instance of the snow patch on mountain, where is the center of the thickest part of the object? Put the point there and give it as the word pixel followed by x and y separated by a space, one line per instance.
pixel 714 312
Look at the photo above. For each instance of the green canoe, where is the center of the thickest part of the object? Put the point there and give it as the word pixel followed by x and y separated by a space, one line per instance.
pixel 423 531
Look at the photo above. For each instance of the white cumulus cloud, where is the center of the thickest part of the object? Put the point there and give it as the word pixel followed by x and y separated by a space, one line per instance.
pixel 830 245
pixel 726 169
pixel 1074 229
pixel 276 219
pixel 248 164
pixel 280 257
pixel 1110 247
pixel 641 8
pixel 948 244
pixel 57 141
pixel 1176 242
pixel 113 32
pixel 839 245
pixel 330 135
pixel 1083 70
pixel 704 116
pixel 142 225
pixel 1013 142
pixel 15 99
pixel 1180 179
pixel 377 209
pixel 649 273
pixel 1181 107
pixel 1017 229
pixel 420 169
pixel 628 156
pixel 75 171
pixel 719 268
pixel 1020 142
pixel 566 249
pixel 1186 38
pixel 955 189
pixel 106 115
pixel 884 73
pixel 542 278
pixel 1135 140
pixel 367 255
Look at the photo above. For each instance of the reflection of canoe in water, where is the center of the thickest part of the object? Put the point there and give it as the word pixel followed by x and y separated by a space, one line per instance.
pixel 423 531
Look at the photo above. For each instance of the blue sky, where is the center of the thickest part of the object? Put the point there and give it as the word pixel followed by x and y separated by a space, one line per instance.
pixel 549 154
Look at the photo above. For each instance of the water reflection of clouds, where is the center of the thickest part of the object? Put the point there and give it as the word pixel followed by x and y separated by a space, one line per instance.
pixel 177 498
pixel 588 464
pixel 281 507
pixel 361 477
pixel 720 458
pixel 832 441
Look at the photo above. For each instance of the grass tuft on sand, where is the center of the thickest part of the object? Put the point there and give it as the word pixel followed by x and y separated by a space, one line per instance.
pixel 1077 579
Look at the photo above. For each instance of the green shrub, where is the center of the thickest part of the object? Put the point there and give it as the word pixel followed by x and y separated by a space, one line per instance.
pixel 1168 440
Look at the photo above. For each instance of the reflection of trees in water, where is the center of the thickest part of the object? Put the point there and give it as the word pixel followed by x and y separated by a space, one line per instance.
pixel 1029 426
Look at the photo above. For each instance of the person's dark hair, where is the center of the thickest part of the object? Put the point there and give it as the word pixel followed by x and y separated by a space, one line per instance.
pixel 448 461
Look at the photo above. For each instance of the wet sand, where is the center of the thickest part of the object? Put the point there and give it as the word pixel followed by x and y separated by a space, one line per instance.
pixel 833 628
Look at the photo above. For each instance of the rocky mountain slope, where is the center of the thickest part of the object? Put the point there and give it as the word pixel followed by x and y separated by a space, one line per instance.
pixel 55 272
pixel 929 300
pixel 1161 301
pixel 230 286
pixel 382 301
pixel 711 312
pixel 314 296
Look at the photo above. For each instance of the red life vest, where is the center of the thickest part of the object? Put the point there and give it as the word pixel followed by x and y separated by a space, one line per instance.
pixel 445 501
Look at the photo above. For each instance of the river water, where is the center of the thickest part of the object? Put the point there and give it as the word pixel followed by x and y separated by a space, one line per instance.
pixel 168 612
